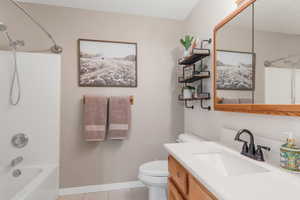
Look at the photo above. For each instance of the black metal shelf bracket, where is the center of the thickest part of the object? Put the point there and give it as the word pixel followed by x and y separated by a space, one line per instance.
pixel 187 106
pixel 209 41
pixel 204 107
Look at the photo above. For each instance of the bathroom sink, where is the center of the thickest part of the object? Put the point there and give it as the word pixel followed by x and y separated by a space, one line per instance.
pixel 225 164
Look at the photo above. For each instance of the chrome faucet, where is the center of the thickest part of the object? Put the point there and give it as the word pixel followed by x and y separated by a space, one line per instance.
pixel 16 161
pixel 250 151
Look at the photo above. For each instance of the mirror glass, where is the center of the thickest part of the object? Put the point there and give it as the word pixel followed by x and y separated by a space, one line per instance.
pixel 277 46
pixel 234 60
pixel 258 55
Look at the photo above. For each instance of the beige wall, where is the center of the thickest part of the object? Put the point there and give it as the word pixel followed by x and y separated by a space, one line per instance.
pixel 157 116
pixel 209 124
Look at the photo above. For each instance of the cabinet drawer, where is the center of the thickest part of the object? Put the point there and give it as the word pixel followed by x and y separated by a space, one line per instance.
pixel 173 193
pixel 179 175
pixel 198 192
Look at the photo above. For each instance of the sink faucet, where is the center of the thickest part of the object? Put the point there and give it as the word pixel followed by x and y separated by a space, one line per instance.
pixel 16 161
pixel 247 151
pixel 250 151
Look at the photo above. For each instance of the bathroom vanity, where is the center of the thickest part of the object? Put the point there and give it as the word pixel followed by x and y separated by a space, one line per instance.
pixel 182 185
pixel 211 171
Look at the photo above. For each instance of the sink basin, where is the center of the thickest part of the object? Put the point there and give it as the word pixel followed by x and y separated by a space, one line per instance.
pixel 225 164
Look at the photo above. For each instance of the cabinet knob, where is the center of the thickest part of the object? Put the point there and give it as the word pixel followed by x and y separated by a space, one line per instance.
pixel 178 174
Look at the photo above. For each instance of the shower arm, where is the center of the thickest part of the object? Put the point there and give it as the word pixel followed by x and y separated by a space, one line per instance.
pixel 56 48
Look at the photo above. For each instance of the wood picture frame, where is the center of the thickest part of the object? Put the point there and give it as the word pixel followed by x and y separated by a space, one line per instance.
pixel 115 68
pixel 268 109
pixel 251 61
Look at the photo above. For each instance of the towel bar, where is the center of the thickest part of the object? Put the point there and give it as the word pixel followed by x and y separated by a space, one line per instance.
pixel 131 99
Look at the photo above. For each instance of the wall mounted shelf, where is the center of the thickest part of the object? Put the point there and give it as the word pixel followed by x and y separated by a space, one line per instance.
pixel 201 97
pixel 189 65
pixel 197 55
pixel 196 77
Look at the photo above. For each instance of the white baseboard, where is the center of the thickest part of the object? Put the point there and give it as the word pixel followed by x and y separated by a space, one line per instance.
pixel 100 188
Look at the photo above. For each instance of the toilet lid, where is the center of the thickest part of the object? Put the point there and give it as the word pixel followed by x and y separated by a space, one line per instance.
pixel 155 169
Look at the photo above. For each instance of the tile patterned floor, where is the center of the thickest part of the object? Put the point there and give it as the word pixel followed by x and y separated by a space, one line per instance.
pixel 125 194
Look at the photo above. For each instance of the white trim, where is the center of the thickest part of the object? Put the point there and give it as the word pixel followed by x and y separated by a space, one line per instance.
pixel 100 188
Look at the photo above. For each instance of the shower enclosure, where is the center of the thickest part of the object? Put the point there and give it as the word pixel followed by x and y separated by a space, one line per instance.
pixel 29 139
pixel 282 78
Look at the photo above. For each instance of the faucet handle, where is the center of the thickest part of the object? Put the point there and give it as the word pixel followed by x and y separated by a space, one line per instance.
pixel 16 161
pixel 259 155
pixel 263 147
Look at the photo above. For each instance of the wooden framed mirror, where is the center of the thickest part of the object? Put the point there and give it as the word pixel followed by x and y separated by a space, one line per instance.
pixel 256 59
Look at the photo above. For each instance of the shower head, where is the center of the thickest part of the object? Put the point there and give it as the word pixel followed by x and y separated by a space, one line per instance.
pixel 12 43
pixel 3 27
pixel 55 48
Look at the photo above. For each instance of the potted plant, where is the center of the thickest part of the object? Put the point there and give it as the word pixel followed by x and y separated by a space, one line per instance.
pixel 187 43
pixel 188 92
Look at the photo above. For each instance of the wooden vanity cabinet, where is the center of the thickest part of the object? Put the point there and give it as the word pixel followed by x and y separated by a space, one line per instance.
pixel 183 186
pixel 198 192
pixel 178 175
pixel 173 193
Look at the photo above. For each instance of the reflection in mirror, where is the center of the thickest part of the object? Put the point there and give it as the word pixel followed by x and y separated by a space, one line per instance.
pixel 258 55
pixel 235 61
pixel 277 39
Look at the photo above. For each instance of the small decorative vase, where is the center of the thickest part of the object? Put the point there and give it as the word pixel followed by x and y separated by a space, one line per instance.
pixel 188 92
pixel 186 53
pixel 290 158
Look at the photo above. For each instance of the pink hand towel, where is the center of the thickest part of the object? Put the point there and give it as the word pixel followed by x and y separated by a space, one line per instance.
pixel 95 118
pixel 119 118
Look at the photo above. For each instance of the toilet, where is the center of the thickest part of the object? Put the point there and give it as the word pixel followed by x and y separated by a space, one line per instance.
pixel 155 174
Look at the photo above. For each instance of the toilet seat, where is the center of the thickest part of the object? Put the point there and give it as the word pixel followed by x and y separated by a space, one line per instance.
pixel 155 169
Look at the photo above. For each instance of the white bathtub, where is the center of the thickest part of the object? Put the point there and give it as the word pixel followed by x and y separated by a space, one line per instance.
pixel 35 183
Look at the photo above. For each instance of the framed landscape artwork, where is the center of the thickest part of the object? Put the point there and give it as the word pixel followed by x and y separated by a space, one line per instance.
pixel 107 63
pixel 235 70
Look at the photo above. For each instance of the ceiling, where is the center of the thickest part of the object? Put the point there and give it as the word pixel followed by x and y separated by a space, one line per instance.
pixel 170 9
pixel 282 16
pixel 279 16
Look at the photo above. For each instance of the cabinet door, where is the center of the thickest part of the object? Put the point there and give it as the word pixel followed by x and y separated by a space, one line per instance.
pixel 173 193
pixel 179 175
pixel 198 191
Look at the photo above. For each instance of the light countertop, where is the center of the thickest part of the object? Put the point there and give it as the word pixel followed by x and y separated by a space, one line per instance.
pixel 272 184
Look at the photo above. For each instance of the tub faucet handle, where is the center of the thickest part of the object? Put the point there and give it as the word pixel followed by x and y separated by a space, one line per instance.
pixel 16 161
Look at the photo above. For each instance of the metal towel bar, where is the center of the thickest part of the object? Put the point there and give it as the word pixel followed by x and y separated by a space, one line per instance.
pixel 131 99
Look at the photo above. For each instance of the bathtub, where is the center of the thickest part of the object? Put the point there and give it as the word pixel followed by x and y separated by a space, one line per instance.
pixel 35 183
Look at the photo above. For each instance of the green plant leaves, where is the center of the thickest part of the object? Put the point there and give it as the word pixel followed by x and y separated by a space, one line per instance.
pixel 187 41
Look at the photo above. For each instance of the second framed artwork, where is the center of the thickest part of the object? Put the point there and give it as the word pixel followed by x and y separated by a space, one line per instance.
pixel 107 63
pixel 235 70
